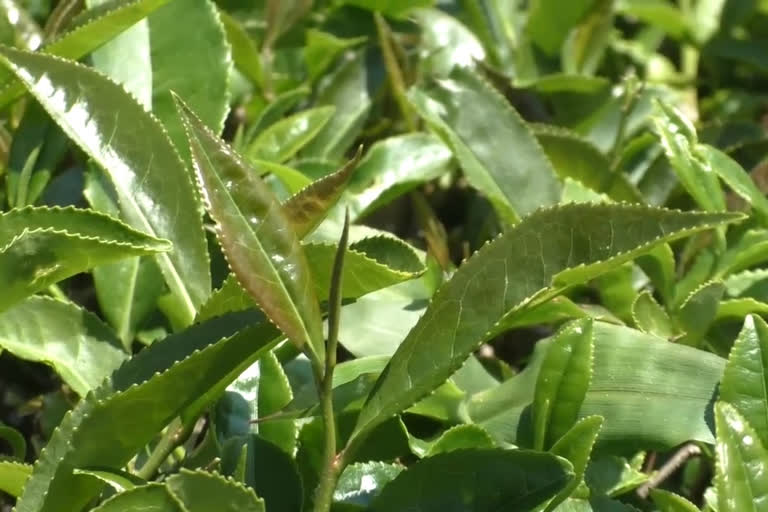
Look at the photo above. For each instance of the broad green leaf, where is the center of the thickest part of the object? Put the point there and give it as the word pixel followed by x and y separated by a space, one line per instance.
pixel 14 440
pixel 583 50
pixel 275 110
pixel 307 208
pixel 152 497
pixel 256 236
pixel 200 491
pixel 360 483
pixel 81 349
pixel 282 140
pixel 678 138
pixel 610 475
pixel 628 368
pixel 13 476
pixel 562 383
pixel 460 437
pixel 699 310
pixel 193 64
pixel 739 308
pixel 665 15
pixel 651 318
pixel 293 179
pixel 127 290
pixel 575 157
pixel 446 42
pixel 706 20
pixel 245 54
pixel 659 265
pixel 742 462
pixel 348 91
pixel 113 423
pixel 89 31
pixel 550 21
pixel 323 48
pixel 41 246
pixel 568 244
pixel 735 177
pixel 392 167
pixel 671 502
pixel 481 480
pixel 483 140
pixel 745 379
pixel 748 283
pixel 119 480
pixel 130 146
pixel 750 250
pixel 576 447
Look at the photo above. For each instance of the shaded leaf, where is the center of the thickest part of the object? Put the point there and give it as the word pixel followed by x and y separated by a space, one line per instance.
pixel 650 317
pixel 360 483
pixel 147 498
pixel 119 480
pixel 671 502
pixel 200 491
pixel 699 311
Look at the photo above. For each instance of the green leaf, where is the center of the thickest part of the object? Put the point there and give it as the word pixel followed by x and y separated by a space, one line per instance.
pixel 575 157
pixel 678 138
pixel 90 31
pixel 148 498
pixel 745 379
pixel 360 483
pixel 751 249
pixel 610 475
pixel 322 49
pixel 742 462
pixel 520 266
pixel 275 110
pixel 113 423
pixel 671 502
pixel 13 440
pixel 576 447
pixel 130 146
pixel 347 90
pixel 699 310
pixel 628 368
pixel 659 265
pixel 282 140
pixel 446 42
pixel 274 393
pixel 562 383
pixel 482 139
pixel 392 167
pixel 650 317
pixel 256 236
pixel 396 8
pixel 200 491
pixel 41 246
pixel 81 349
pixel 119 480
pixel 13 476
pixel 479 480
pixel 245 54
pixel 307 209
pixel 548 30
pixel 459 437
pixel 193 64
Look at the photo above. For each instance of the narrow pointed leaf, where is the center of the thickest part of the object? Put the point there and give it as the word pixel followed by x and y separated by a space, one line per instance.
pixel 742 463
pixel 153 187
pixel 119 480
pixel 574 241
pixel 650 317
pixel 200 491
pixel 307 209
pixel 745 379
pixel 256 236
pixel 562 383
pixel 479 480
pixel 282 140
pixel 81 349
pixel 41 246
pixel 699 311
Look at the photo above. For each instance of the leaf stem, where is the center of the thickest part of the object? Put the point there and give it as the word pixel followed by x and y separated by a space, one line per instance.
pixel 176 433
pixel 393 71
pixel 332 465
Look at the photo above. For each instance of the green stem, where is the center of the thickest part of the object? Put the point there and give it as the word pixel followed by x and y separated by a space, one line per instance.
pixel 393 71
pixel 174 435
pixel 332 463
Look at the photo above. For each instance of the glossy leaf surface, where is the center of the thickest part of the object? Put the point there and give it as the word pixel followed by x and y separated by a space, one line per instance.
pixel 256 236
pixel 508 273
pixel 87 106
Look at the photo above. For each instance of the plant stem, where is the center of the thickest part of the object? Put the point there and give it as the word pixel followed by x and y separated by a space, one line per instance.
pixel 677 460
pixel 393 71
pixel 174 435
pixel 332 463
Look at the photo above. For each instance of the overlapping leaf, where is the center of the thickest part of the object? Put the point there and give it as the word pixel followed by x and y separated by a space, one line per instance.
pixel 41 246
pixel 132 148
pixel 256 236
pixel 581 242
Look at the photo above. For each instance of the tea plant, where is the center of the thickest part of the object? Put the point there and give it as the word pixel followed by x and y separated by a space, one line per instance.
pixel 383 255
